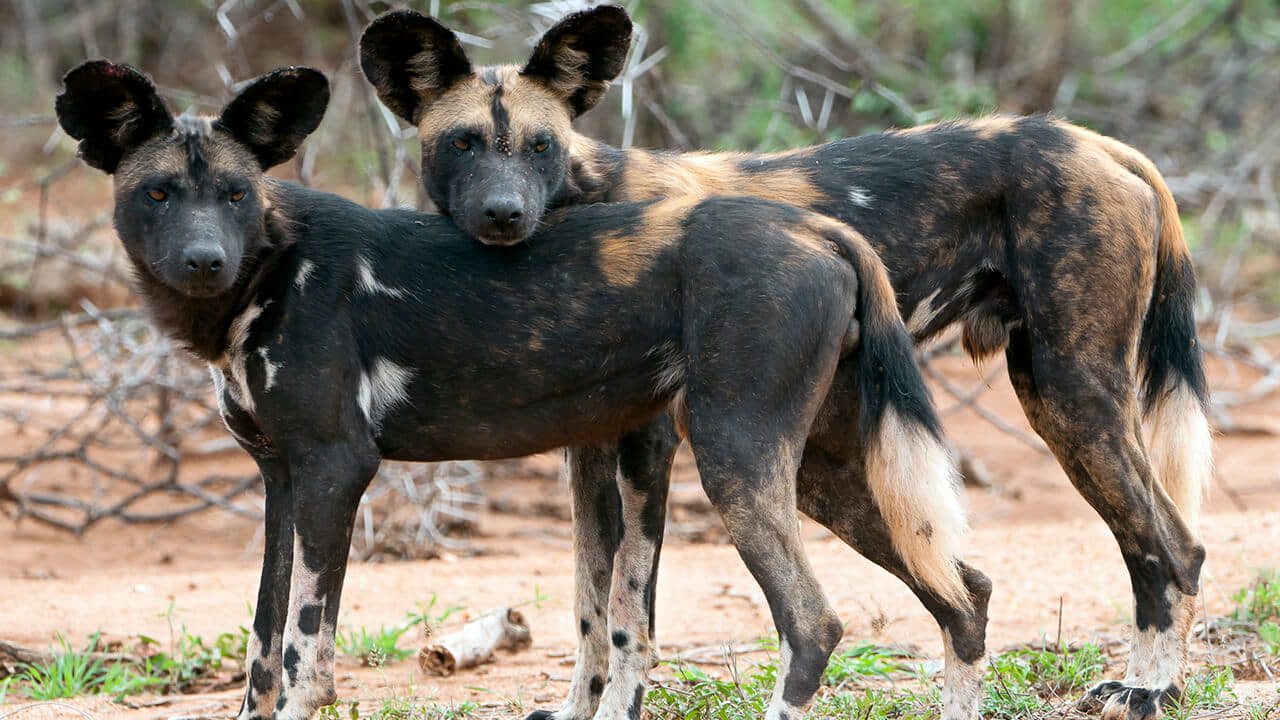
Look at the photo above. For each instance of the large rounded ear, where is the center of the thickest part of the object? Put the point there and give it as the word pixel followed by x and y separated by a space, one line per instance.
pixel 411 59
pixel 581 54
pixel 111 109
pixel 275 113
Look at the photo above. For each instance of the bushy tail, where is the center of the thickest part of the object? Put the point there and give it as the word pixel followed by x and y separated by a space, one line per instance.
pixel 1175 396
pixel 909 470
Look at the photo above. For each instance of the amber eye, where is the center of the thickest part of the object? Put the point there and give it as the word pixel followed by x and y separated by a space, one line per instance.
pixel 237 196
pixel 541 146
pixel 157 195
pixel 462 144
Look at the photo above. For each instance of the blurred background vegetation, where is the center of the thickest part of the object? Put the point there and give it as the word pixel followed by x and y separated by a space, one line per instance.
pixel 1193 83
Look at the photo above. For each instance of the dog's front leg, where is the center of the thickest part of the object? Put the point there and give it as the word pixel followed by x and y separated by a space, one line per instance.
pixel 327 484
pixel 263 660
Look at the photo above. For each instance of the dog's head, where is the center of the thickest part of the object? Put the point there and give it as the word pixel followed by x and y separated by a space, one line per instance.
pixel 189 191
pixel 495 140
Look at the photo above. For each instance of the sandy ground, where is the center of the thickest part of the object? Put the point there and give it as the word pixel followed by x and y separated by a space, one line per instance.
pixel 1042 545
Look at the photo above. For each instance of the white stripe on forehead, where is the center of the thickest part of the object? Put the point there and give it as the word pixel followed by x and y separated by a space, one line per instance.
pixel 196 124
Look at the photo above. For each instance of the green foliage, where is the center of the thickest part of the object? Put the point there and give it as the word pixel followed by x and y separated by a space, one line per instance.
pixel 400 707
pixel 375 648
pixel 1019 683
pixel 1269 633
pixel 862 661
pixel 694 695
pixel 73 673
pixel 1259 602
pixel 1213 690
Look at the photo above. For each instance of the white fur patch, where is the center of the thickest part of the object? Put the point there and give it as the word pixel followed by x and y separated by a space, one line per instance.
pixel 305 268
pixel 859 196
pixel 1182 451
pixel 1158 660
pixel 237 359
pixel 219 388
pixel 915 484
pixel 779 708
pixel 311 687
pixel 269 369
pixel 671 373
pixel 962 685
pixel 923 313
pixel 382 388
pixel 367 282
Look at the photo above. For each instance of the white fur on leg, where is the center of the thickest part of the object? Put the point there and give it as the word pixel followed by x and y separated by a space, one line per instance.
pixel 310 686
pixel 916 487
pixel 779 708
pixel 592 662
pixel 1158 659
pixel 1182 451
pixel 962 684
pixel 628 615
pixel 259 704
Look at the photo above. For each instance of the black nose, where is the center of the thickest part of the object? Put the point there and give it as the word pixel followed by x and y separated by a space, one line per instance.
pixel 504 211
pixel 204 261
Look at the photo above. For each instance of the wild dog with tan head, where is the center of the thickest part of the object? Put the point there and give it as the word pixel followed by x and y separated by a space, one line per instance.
pixel 338 336
pixel 1056 245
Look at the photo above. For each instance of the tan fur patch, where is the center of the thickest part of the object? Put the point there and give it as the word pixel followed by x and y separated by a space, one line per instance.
pixel 624 256
pixel 654 175
pixel 161 158
pixel 532 107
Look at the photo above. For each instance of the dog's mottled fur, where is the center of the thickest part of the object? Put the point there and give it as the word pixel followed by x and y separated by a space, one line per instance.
pixel 338 336
pixel 1056 245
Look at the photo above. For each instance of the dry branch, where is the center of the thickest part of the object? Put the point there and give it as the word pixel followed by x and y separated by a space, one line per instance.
pixel 499 629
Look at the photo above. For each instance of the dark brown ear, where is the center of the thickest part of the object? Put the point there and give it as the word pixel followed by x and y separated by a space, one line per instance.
pixel 411 59
pixel 111 109
pixel 582 54
pixel 276 112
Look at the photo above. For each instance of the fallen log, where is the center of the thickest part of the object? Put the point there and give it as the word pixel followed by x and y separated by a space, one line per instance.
pixel 499 629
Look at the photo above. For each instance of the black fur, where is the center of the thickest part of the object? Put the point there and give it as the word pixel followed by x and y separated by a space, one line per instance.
pixel 350 335
pixel 389 44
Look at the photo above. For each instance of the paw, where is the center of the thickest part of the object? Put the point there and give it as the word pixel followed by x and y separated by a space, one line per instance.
pixel 1117 701
pixel 549 715
pixel 1093 701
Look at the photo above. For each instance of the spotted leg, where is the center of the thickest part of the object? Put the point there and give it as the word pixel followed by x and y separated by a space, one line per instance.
pixel 644 467
pixel 327 484
pixel 263 662
pixel 593 489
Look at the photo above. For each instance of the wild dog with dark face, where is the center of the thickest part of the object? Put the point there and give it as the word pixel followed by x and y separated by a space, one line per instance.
pixel 338 336
pixel 1054 244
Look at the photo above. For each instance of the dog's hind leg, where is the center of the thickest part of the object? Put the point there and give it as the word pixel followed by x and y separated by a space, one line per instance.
pixel 1081 401
pixel 751 482
pixel 263 662
pixel 833 490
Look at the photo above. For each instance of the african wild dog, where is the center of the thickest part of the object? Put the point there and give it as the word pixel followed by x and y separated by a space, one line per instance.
pixel 338 336
pixel 1057 245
